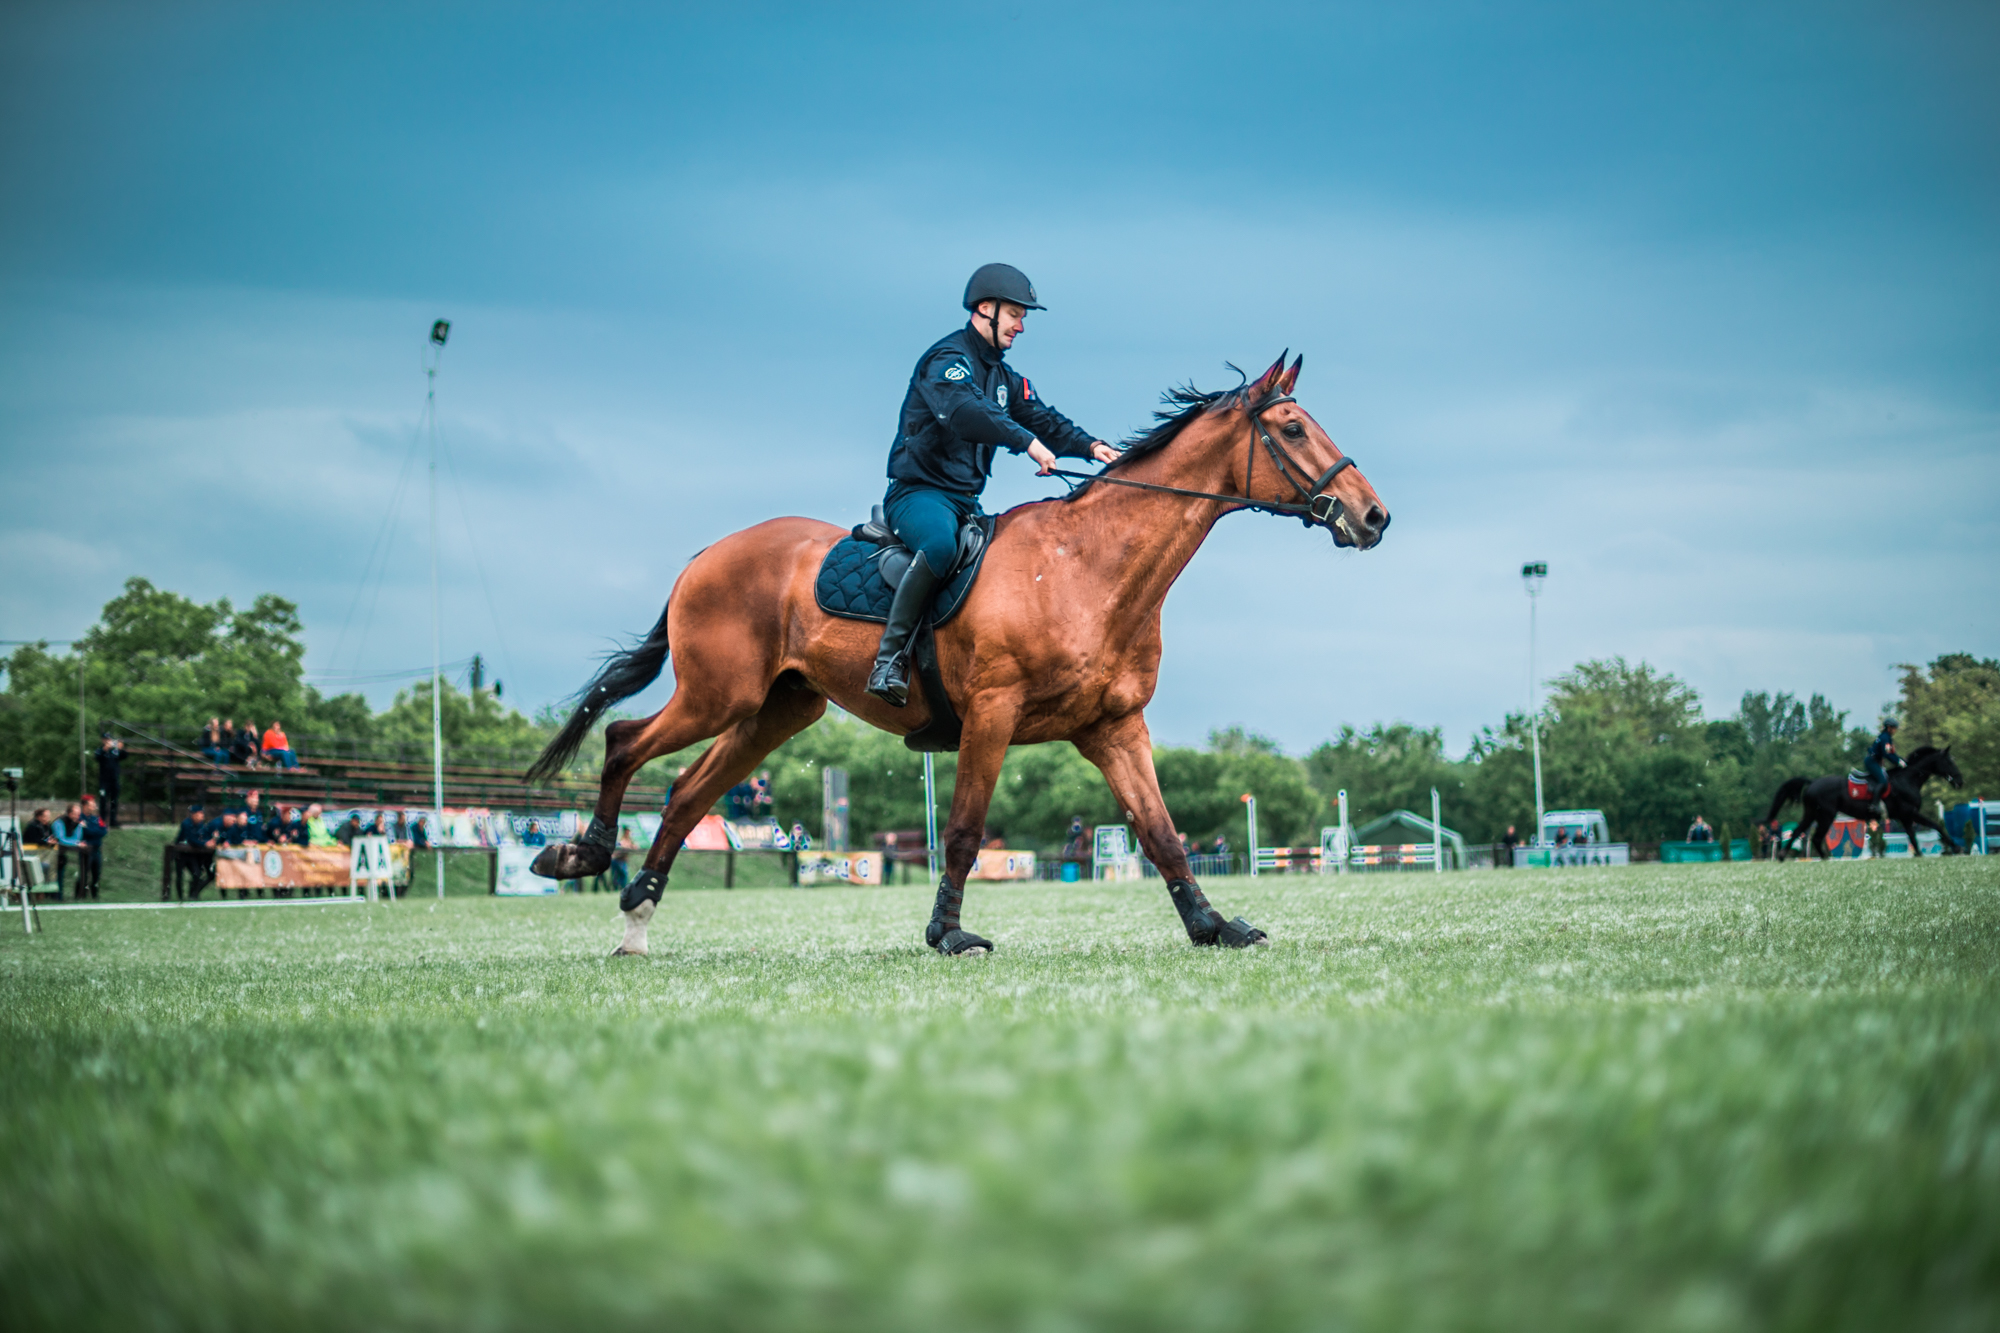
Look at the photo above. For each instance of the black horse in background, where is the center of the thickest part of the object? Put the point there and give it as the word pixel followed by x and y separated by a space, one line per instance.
pixel 1825 800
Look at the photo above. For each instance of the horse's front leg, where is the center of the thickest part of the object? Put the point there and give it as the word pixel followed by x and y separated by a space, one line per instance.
pixel 989 726
pixel 1122 749
pixel 1912 821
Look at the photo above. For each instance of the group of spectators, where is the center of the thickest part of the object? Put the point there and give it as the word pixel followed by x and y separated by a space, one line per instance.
pixel 223 742
pixel 202 834
pixel 77 835
pixel 750 801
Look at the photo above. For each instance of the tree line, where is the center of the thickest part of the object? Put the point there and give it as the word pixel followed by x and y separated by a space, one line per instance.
pixel 1616 736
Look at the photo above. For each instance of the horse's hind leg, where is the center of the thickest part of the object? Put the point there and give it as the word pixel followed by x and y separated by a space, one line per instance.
pixel 688 719
pixel 789 708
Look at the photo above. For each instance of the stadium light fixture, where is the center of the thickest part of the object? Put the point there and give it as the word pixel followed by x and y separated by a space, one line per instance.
pixel 440 331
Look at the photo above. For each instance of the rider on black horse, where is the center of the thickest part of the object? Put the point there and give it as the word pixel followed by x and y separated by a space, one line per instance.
pixel 964 401
pixel 1881 758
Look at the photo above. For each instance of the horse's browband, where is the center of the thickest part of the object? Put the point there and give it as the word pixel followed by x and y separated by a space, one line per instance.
pixel 1315 507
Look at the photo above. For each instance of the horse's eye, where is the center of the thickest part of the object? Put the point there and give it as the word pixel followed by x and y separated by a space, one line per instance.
pixel 1293 430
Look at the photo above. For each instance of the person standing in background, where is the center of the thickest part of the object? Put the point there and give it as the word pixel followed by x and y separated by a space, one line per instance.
pixel 195 845
pixel 110 755
pixel 1507 845
pixel 68 833
pixel 90 872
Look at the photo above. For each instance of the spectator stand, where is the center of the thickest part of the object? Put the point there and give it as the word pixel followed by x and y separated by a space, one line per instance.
pixel 346 782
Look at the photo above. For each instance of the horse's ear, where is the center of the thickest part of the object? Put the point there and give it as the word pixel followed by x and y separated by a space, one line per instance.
pixel 1291 376
pixel 1267 381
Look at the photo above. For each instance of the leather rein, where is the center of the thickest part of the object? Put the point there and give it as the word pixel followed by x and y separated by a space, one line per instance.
pixel 1314 504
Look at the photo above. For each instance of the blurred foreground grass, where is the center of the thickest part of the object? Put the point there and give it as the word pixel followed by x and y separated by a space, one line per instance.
pixel 1689 1097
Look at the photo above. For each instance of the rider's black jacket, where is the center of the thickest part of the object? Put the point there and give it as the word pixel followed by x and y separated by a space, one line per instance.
pixel 964 402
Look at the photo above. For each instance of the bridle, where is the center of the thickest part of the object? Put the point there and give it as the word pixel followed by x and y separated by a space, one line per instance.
pixel 1314 505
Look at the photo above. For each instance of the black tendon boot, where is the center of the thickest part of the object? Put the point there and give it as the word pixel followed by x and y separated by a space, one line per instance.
pixel 1204 924
pixel 890 680
pixel 944 933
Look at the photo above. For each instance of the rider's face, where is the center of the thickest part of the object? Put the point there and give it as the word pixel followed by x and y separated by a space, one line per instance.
pixel 1013 319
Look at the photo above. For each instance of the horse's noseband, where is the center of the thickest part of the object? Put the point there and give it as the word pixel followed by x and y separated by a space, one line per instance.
pixel 1315 504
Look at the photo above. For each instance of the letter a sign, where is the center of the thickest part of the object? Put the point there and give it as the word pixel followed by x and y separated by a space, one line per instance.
pixel 370 865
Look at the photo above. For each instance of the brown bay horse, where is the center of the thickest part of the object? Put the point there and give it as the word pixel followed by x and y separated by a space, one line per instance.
pixel 1059 639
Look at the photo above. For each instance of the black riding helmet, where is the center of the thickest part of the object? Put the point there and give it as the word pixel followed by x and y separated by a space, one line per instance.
pixel 1001 282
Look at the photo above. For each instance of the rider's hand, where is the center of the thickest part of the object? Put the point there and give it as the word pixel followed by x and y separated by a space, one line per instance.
pixel 1103 452
pixel 1044 460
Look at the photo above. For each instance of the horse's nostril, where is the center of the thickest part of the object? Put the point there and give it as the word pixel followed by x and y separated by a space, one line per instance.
pixel 1378 517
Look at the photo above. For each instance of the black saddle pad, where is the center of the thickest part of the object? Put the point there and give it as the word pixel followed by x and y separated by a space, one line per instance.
pixel 852 582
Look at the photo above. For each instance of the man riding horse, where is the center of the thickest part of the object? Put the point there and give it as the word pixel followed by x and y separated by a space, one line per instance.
pixel 1881 758
pixel 1058 638
pixel 963 403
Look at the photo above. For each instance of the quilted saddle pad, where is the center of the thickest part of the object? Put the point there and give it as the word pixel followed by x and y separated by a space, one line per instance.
pixel 854 579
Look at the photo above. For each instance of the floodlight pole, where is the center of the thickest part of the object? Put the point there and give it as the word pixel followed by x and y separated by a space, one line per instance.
pixel 439 331
pixel 1532 575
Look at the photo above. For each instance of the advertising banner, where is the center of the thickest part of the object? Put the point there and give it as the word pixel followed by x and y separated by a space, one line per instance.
pixel 837 867
pixel 997 863
pixel 285 868
pixel 513 878
pixel 711 835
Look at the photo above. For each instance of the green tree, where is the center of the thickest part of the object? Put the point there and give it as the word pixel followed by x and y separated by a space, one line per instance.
pixel 1204 790
pixel 1627 740
pixel 163 663
pixel 1956 702
pixel 1390 766
pixel 475 725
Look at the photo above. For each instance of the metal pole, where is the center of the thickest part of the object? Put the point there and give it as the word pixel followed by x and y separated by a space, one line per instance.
pixel 1346 835
pixel 1251 802
pixel 1532 575
pixel 1437 835
pixel 437 691
pixel 18 870
pixel 930 814
pixel 82 752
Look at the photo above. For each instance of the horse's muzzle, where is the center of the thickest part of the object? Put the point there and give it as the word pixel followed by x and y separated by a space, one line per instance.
pixel 1363 532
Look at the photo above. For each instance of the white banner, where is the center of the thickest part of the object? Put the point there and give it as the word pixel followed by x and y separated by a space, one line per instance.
pixel 514 879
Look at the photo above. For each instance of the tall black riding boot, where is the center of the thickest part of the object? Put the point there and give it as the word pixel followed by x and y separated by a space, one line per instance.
pixel 890 680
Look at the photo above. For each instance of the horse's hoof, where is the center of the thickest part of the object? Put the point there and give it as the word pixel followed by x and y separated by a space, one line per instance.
pixel 960 944
pixel 622 952
pixel 569 860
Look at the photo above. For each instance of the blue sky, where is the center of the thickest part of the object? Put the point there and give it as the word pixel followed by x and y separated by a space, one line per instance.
pixel 1696 302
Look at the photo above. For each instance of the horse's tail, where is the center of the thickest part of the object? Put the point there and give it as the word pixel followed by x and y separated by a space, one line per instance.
pixel 1790 792
pixel 623 675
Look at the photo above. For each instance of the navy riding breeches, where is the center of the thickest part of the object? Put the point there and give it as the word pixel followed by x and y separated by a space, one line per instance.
pixel 927 521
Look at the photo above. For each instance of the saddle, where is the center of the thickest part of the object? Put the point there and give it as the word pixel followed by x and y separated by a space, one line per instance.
pixel 857 581
pixel 858 578
pixel 1859 788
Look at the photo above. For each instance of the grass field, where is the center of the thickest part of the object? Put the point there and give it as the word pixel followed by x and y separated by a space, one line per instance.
pixel 1690 1097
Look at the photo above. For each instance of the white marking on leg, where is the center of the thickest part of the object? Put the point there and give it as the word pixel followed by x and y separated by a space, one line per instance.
pixel 635 928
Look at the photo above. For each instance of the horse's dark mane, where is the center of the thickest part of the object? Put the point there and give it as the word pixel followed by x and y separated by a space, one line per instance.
pixel 1923 752
pixel 1184 403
